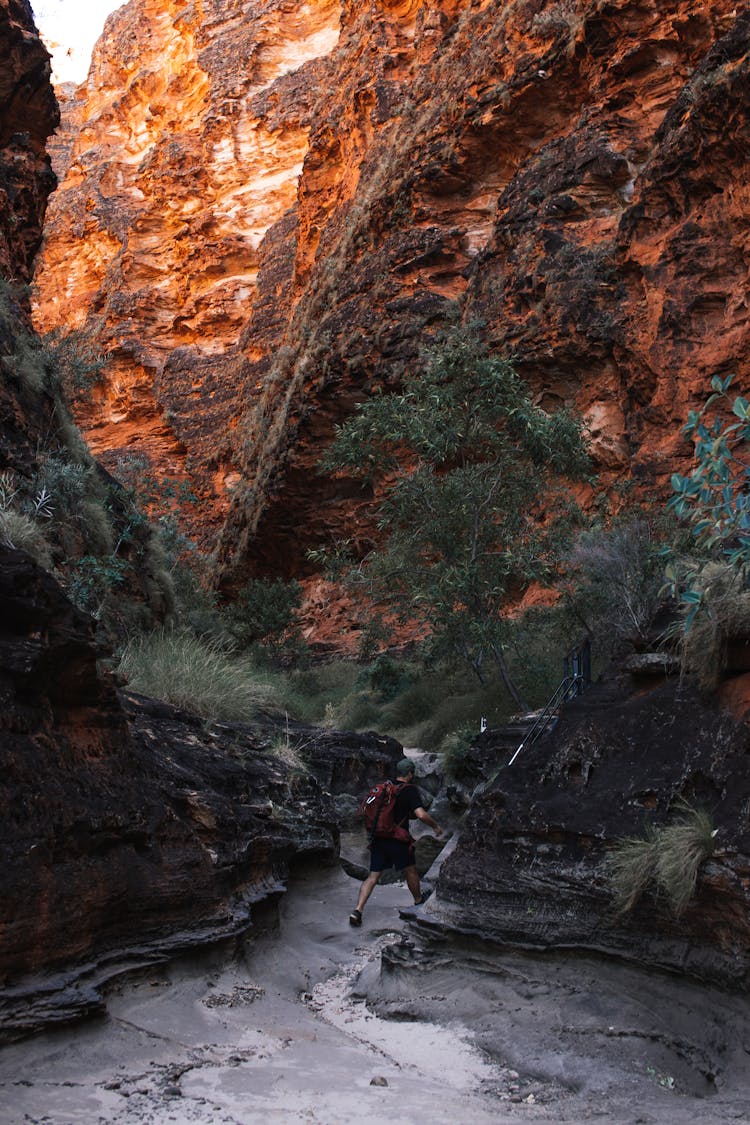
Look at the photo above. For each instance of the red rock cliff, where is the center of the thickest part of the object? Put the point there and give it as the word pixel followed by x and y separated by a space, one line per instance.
pixel 188 141
pixel 273 207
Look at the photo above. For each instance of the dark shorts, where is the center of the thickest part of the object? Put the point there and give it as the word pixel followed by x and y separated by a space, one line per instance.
pixel 390 853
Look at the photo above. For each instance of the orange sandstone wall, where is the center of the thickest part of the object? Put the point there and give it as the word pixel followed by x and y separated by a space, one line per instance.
pixel 570 174
pixel 271 207
pixel 182 149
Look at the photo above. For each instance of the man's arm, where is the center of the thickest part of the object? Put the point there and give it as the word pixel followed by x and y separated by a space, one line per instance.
pixel 422 814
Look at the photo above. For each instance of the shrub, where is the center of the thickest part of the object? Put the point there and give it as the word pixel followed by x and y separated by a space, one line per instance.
pixel 453 748
pixel 195 674
pixel 91 579
pixel 668 858
pixel 388 676
pixel 714 499
pixel 77 361
pixel 468 463
pixel 615 577
pixel 264 609
pixel 315 694
pixel 725 600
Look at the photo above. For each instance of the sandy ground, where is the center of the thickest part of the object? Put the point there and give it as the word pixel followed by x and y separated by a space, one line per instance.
pixel 275 1035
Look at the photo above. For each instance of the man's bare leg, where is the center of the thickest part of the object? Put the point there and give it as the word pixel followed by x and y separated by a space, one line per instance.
pixel 367 888
pixel 412 882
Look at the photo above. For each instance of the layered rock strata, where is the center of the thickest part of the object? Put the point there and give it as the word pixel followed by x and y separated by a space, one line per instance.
pixel 131 831
pixel 530 867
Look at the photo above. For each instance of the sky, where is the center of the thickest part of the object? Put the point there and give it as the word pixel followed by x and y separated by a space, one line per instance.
pixel 70 28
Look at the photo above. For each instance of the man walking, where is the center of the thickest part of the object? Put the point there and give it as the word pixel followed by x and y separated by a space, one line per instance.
pixel 386 852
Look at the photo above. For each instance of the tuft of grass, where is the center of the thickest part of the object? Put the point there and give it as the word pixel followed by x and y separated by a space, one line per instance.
pixel 683 847
pixel 290 750
pixel 668 858
pixel 196 674
pixel 632 866
pixel 19 530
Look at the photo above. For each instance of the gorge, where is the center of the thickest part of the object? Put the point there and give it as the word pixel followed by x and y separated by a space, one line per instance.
pixel 265 213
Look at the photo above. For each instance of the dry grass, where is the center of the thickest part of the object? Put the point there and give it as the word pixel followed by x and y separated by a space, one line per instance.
pixel 668 859
pixel 631 866
pixel 683 847
pixel 289 749
pixel 195 674
pixel 24 533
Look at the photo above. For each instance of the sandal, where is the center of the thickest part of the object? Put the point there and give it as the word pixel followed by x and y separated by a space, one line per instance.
pixel 423 899
pixel 355 918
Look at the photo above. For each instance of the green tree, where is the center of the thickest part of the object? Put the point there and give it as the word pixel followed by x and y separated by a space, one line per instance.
pixel 475 499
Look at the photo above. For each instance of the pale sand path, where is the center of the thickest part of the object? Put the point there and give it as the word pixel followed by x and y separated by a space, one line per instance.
pixel 269 1038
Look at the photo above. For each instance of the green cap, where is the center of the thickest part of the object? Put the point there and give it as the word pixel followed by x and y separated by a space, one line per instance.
pixel 405 766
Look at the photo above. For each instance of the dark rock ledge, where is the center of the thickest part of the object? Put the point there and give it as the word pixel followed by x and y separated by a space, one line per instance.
pixel 528 870
pixel 131 831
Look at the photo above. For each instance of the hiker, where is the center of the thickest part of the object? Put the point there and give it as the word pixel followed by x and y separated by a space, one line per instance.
pixel 395 852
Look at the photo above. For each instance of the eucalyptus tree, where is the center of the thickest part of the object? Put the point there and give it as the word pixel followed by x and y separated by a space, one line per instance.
pixel 475 481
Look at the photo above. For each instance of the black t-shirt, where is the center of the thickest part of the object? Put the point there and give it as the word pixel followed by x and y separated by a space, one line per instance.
pixel 407 800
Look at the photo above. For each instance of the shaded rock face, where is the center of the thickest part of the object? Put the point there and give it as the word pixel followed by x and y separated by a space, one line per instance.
pixel 129 829
pixel 264 244
pixel 529 869
pixel 28 114
pixel 117 824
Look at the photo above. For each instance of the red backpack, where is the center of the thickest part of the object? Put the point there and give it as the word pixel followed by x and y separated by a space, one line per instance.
pixel 377 809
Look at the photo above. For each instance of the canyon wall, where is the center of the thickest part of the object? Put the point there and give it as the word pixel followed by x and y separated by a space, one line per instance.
pixel 182 150
pixel 531 868
pixel 268 210
pixel 28 114
pixel 126 829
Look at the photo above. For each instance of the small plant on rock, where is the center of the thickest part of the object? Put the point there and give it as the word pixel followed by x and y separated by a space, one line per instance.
pixel 21 520
pixel 667 858
pixel 714 499
pixel 454 748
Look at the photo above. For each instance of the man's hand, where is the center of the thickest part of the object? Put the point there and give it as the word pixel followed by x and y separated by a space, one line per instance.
pixel 424 816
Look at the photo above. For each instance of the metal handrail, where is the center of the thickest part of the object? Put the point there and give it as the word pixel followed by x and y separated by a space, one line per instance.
pixel 576 678
pixel 562 693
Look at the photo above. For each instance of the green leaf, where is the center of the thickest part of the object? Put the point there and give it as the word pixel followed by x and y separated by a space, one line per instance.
pixel 691 597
